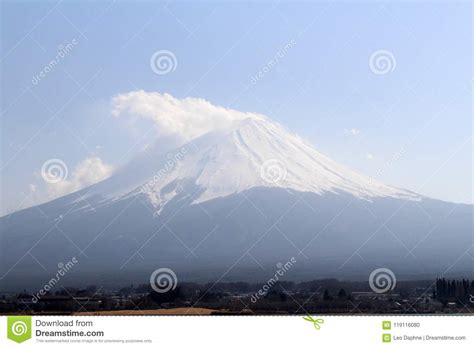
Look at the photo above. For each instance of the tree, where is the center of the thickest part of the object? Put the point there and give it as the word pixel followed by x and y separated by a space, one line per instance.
pixel 326 296
pixel 342 294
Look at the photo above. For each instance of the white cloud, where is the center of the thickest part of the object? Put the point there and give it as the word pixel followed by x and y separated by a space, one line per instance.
pixel 87 172
pixel 352 131
pixel 369 156
pixel 186 118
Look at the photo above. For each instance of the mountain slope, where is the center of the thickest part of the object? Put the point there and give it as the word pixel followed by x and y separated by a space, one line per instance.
pixel 238 200
pixel 252 153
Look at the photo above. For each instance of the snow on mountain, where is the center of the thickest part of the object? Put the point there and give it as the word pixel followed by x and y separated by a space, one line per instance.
pixel 170 202
pixel 255 152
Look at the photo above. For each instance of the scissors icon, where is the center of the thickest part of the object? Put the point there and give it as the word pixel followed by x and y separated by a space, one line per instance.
pixel 316 322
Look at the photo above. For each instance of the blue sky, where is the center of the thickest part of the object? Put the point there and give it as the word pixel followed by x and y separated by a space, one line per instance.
pixel 410 127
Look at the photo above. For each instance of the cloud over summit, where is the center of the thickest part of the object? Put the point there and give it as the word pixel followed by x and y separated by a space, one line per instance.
pixel 186 118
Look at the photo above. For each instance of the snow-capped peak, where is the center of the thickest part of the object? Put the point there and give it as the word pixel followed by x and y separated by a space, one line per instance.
pixel 257 152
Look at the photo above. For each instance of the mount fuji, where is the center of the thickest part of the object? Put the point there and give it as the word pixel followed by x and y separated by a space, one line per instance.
pixel 231 204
